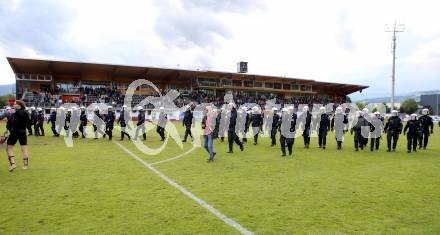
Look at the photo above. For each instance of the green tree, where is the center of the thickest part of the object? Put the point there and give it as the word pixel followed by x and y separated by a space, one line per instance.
pixel 347 99
pixel 409 106
pixel 361 105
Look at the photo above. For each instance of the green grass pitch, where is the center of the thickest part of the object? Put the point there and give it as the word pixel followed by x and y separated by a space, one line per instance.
pixel 96 187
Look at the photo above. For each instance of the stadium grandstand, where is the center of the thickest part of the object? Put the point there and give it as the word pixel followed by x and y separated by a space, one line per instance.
pixel 49 83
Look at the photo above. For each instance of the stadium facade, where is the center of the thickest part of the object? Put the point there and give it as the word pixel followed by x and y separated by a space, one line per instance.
pixel 68 80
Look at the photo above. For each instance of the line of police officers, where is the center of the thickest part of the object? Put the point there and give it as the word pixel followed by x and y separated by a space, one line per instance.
pixel 229 120
pixel 364 127
pixel 74 120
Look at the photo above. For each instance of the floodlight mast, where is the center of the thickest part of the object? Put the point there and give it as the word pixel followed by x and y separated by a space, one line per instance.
pixel 394 28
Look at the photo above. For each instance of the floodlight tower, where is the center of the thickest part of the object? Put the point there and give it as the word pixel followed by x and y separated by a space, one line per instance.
pixel 394 28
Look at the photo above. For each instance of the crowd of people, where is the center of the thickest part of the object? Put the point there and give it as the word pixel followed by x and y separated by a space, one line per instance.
pixel 113 96
pixel 228 121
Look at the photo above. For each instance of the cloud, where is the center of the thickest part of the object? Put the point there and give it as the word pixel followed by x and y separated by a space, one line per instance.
pixel 34 24
pixel 197 23
pixel 340 41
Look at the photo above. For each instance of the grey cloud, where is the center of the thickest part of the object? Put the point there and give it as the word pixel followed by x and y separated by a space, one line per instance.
pixel 196 23
pixel 35 24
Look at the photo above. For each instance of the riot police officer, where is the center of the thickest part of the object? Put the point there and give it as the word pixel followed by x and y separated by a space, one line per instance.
pixel 39 123
pixel 411 130
pixel 243 122
pixel 97 123
pixel 109 122
pixel 124 118
pixel 140 125
pixel 306 120
pixel 358 124
pixel 162 123
pixel 74 120
pixel 256 121
pixel 323 127
pixel 83 122
pixel 426 124
pixel 223 123
pixel 376 128
pixel 67 122
pixel 232 134
pixel 287 127
pixel 52 119
pixel 338 124
pixel 274 126
pixel 393 128
pixel 188 119
pixel 34 117
pixel 365 133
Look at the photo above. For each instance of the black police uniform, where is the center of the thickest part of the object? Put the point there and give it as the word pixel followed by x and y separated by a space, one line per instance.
pixel 274 127
pixel 426 124
pixel 109 124
pixel 257 123
pixel 217 126
pixel 83 123
pixel 123 123
pixel 338 125
pixel 324 127
pixel 357 129
pixel 376 135
pixel 306 133
pixel 29 124
pixel 34 117
pixel 39 123
pixel 287 140
pixel 161 125
pixel 140 126
pixel 97 124
pixel 187 123
pixel 411 130
pixel 67 123
pixel 52 119
pixel 393 128
pixel 247 124
pixel 232 135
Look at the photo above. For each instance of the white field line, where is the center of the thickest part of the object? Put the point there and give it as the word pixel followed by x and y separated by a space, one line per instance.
pixel 202 203
pixel 176 157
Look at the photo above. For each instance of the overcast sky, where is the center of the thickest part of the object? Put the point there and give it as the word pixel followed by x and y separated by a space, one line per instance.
pixel 337 41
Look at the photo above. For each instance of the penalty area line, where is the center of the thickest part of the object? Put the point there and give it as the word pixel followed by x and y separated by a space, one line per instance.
pixel 193 197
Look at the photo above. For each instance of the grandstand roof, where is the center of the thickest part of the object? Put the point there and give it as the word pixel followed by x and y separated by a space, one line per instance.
pixel 40 66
